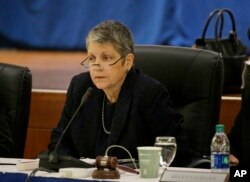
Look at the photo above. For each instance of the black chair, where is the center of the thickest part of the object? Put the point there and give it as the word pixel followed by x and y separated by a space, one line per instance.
pixel 194 79
pixel 15 95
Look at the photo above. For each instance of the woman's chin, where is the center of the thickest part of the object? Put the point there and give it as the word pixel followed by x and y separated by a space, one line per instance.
pixel 101 86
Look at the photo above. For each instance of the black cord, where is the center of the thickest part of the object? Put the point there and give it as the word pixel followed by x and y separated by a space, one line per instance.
pixel 133 161
pixel 33 173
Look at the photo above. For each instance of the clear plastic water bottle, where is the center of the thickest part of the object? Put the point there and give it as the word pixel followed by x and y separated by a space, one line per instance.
pixel 220 150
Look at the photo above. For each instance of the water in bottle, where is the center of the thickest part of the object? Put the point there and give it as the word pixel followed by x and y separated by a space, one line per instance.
pixel 220 150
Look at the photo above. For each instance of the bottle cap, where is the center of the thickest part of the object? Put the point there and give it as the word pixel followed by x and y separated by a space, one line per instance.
pixel 219 128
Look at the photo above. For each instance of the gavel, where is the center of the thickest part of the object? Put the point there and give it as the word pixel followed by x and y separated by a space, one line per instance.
pixel 106 168
pixel 106 162
pixel 106 165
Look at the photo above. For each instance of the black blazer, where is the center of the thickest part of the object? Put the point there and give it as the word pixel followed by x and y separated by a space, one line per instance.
pixel 239 135
pixel 143 111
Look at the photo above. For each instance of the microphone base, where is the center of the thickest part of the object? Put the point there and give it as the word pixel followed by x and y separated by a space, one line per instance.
pixel 63 162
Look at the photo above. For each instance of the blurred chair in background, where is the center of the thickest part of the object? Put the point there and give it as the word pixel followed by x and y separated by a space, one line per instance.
pixel 194 79
pixel 15 97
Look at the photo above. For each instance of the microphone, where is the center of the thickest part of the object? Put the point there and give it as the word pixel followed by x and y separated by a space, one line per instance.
pixel 53 161
pixel 248 33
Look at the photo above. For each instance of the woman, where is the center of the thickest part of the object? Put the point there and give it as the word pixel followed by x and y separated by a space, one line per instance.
pixel 239 135
pixel 126 107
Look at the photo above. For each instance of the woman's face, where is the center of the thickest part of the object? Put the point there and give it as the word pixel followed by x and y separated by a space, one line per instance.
pixel 105 76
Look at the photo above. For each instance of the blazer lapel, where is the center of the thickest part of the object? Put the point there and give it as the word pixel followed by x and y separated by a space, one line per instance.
pixel 119 119
pixel 122 109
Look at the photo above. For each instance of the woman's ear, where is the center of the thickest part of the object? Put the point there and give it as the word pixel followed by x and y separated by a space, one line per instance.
pixel 129 61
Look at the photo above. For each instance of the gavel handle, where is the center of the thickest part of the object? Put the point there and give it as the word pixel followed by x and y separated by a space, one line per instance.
pixel 127 169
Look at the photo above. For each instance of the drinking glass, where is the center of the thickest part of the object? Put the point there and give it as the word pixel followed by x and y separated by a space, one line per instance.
pixel 169 147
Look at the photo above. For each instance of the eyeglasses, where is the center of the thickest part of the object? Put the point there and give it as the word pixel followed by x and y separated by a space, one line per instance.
pixel 106 62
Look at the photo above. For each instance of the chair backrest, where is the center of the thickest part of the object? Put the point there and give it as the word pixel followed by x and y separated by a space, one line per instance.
pixel 15 94
pixel 194 79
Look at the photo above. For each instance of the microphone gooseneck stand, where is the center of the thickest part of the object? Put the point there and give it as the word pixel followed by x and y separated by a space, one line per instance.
pixel 54 161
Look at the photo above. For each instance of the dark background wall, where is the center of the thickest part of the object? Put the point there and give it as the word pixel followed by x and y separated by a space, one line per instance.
pixel 63 24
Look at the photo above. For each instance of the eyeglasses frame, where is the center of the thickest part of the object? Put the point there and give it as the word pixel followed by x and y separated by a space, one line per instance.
pixel 111 64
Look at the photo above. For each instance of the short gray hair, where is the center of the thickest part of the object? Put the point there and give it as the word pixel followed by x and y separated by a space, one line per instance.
pixel 113 32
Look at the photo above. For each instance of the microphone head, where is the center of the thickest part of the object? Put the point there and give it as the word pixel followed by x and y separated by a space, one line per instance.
pixel 248 33
pixel 86 95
